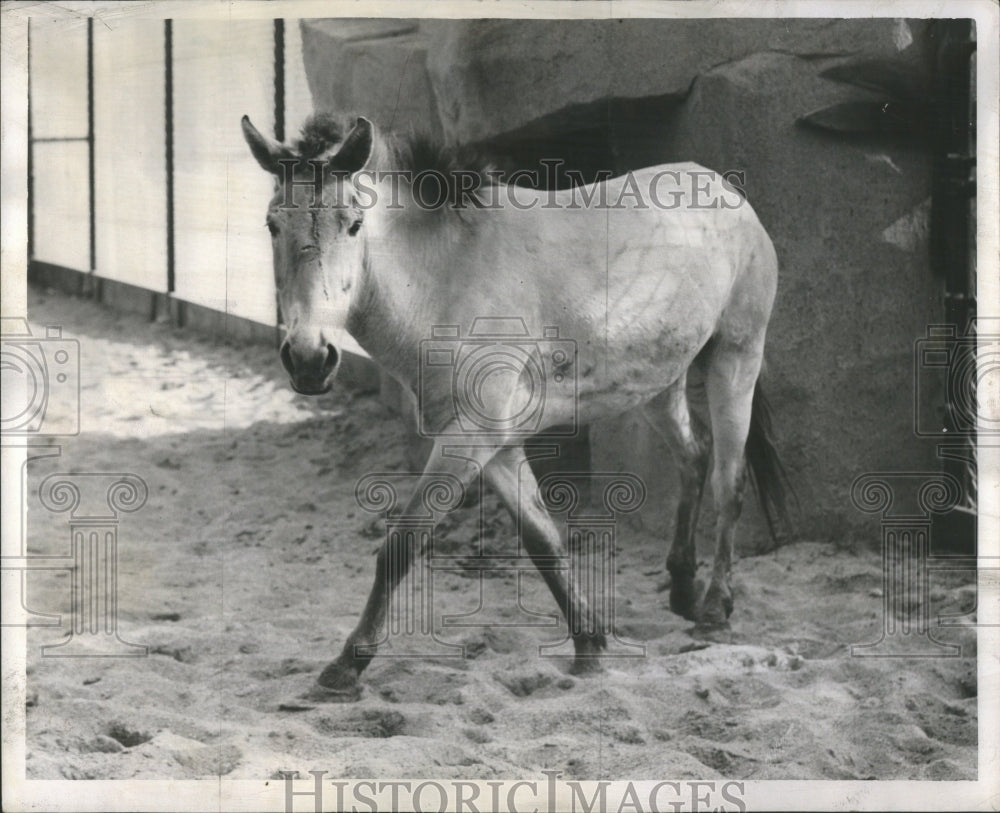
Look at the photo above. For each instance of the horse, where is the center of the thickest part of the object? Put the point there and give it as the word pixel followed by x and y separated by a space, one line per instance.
pixel 675 275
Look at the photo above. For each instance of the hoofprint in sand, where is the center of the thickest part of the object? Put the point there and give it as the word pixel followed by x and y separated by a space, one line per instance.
pixel 249 563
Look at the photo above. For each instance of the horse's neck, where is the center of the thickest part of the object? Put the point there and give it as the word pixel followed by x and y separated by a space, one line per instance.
pixel 428 268
pixel 395 303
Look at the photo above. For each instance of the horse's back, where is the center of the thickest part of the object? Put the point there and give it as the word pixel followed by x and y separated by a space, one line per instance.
pixel 695 226
pixel 641 276
pixel 657 250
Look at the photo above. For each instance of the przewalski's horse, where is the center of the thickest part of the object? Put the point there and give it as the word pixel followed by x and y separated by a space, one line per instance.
pixel 648 274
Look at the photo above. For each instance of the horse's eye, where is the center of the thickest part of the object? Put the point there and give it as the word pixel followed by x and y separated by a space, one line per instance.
pixel 273 228
pixel 355 228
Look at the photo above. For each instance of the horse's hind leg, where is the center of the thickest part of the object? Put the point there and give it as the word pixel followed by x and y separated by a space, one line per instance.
pixel 690 443
pixel 511 477
pixel 731 376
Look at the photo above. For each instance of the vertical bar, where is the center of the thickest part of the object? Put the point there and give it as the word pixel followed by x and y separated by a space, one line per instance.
pixel 79 594
pixel 168 44
pixel 952 247
pixel 92 580
pixel 92 166
pixel 31 155
pixel 279 80
pixel 111 543
pixel 103 598
pixel 279 128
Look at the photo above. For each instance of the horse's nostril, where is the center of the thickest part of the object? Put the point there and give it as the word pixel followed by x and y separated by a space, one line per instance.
pixel 286 358
pixel 331 357
pixel 309 365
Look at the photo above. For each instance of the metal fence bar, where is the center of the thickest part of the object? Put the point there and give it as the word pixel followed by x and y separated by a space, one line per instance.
pixel 279 80
pixel 31 151
pixel 91 159
pixel 279 130
pixel 168 48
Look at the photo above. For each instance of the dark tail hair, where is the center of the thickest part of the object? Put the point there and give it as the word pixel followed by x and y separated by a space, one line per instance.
pixel 771 483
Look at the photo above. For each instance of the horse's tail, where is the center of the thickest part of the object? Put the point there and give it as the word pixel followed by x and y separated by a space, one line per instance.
pixel 771 483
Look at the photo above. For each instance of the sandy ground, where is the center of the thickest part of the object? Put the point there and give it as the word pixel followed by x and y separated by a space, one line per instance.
pixel 247 567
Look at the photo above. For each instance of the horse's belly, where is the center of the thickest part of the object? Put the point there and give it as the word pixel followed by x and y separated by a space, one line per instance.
pixel 604 385
pixel 632 383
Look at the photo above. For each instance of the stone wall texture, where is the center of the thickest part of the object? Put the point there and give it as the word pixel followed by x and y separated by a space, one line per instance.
pixel 847 216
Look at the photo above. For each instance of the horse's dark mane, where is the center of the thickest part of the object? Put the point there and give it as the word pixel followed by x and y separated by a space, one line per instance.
pixel 320 132
pixel 413 153
pixel 418 153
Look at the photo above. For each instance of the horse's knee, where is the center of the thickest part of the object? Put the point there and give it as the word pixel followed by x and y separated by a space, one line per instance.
pixel 692 476
pixel 729 488
pixel 693 470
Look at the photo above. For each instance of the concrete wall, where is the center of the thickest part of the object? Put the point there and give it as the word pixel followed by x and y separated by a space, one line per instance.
pixel 848 217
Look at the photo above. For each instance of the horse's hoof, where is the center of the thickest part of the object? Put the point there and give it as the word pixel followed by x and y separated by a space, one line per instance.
pixel 321 694
pixel 337 683
pixel 716 609
pixel 713 633
pixel 588 654
pixel 586 665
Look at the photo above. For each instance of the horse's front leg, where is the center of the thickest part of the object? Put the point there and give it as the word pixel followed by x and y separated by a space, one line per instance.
pixel 340 678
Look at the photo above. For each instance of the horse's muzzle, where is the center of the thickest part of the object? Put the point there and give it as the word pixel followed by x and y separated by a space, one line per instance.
pixel 310 372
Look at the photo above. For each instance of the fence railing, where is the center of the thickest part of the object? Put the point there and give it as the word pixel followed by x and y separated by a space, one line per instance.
pixel 138 171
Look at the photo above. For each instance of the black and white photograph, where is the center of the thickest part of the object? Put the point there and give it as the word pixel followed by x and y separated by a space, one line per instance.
pixel 555 406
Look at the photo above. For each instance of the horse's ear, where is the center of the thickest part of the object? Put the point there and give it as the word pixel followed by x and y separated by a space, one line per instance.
pixel 267 151
pixel 356 149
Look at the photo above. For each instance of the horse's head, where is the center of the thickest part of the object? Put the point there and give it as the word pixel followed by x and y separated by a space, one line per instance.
pixel 315 223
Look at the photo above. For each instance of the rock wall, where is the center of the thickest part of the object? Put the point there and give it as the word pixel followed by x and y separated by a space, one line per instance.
pixel 493 76
pixel 847 216
pixel 373 67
